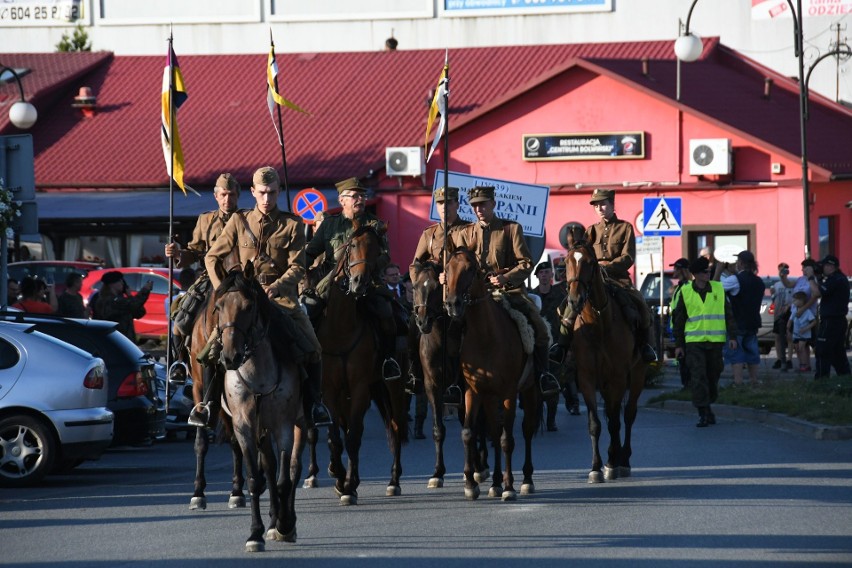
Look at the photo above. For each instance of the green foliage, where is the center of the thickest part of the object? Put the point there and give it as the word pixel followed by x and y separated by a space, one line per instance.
pixel 826 401
pixel 78 41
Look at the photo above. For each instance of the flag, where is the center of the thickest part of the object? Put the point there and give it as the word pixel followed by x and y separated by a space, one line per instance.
pixel 437 107
pixel 272 95
pixel 172 150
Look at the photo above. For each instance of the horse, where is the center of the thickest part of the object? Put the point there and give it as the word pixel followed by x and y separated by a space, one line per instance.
pixel 351 367
pixel 496 370
pixel 605 356
pixel 262 394
pixel 432 322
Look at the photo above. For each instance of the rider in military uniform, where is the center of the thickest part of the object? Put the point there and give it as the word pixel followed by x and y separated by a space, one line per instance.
pixel 504 256
pixel 615 248
pixel 274 241
pixel 207 229
pixel 334 232
pixel 430 248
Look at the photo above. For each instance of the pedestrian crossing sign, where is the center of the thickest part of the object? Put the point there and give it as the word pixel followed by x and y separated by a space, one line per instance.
pixel 662 216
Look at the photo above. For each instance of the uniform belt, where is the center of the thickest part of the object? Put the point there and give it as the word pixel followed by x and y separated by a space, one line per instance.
pixel 267 279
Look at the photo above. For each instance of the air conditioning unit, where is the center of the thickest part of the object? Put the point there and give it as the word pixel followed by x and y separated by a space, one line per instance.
pixel 710 156
pixel 405 161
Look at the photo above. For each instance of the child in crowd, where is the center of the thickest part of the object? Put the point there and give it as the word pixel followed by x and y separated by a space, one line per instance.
pixel 800 328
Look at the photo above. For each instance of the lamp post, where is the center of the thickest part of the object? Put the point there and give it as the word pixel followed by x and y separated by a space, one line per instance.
pixel 688 47
pixel 23 115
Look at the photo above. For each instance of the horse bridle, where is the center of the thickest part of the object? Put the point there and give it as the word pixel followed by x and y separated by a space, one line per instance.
pixel 466 298
pixel 345 265
pixel 249 346
pixel 577 307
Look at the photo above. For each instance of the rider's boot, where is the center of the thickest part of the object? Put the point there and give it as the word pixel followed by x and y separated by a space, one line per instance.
pixel 314 408
pixel 546 381
pixel 390 368
pixel 552 403
pixel 645 350
pixel 199 416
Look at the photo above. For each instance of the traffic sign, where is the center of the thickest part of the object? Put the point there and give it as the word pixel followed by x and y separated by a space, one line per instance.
pixel 662 216
pixel 308 203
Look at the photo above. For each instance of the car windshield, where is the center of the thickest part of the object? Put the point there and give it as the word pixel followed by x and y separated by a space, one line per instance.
pixel 651 287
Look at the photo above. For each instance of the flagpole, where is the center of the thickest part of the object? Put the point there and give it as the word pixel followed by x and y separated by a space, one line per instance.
pixel 281 132
pixel 169 335
pixel 446 197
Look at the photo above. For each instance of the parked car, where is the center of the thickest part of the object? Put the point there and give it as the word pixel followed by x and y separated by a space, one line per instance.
pixel 55 271
pixel 154 324
pixel 140 415
pixel 53 412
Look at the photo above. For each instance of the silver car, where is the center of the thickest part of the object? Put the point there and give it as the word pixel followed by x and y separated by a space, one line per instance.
pixel 53 411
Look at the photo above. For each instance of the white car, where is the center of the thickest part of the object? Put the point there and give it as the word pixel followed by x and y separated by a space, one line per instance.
pixel 53 412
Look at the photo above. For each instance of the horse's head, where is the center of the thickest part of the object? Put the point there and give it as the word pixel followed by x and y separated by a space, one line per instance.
pixel 580 268
pixel 462 277
pixel 427 295
pixel 360 256
pixel 241 315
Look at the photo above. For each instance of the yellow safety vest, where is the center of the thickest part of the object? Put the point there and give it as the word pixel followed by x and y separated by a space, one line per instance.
pixel 706 321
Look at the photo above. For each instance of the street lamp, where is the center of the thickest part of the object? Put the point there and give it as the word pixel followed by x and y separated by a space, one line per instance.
pixel 688 48
pixel 22 113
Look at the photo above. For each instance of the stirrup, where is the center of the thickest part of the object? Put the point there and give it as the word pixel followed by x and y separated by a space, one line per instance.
pixel 320 415
pixel 199 416
pixel 648 353
pixel 411 385
pixel 453 395
pixel 556 354
pixel 548 384
pixel 391 370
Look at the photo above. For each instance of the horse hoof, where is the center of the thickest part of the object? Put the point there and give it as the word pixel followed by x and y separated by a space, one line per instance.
pixel 495 491
pixel 310 482
pixel 255 546
pixel 610 473
pixel 236 502
pixel 276 535
pixel 527 488
pixel 435 483
pixel 509 495
pixel 198 503
pixel 481 476
pixel 471 494
pixel 393 491
pixel 623 471
pixel 337 491
pixel 348 500
pixel 595 477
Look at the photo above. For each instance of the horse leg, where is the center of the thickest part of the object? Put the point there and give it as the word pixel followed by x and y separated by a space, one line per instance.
pixel 439 432
pixel 595 475
pixel 532 418
pixel 271 472
pixel 335 464
pixel 507 444
pixel 483 470
pixel 202 444
pixel 468 433
pixel 237 500
pixel 289 470
pixel 312 435
pixel 613 420
pixel 353 449
pixel 256 486
pixel 637 382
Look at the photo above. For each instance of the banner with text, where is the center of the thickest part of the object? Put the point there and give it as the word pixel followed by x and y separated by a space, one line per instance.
pixel 586 146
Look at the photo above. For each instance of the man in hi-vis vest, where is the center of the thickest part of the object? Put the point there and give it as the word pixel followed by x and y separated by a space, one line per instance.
pixel 702 320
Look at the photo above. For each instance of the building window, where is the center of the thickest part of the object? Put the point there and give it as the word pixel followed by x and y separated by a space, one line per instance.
pixel 827 235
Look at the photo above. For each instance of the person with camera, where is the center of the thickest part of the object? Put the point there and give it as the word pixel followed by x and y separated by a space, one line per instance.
pixel 833 291
pixel 116 304
pixel 37 296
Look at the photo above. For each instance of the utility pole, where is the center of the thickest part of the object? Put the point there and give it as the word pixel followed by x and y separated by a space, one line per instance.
pixel 837 46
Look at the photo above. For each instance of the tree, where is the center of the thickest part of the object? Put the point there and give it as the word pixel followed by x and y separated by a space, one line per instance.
pixel 79 41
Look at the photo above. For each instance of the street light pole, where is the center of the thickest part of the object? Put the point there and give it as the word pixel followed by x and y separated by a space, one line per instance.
pixel 688 47
pixel 23 115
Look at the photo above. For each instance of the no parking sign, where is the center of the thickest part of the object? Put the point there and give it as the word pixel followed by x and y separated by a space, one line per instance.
pixel 308 203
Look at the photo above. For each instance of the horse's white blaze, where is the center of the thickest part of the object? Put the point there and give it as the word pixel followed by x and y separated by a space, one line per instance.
pixel 578 256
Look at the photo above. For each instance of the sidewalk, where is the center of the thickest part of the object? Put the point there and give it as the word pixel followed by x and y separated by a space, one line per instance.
pixel 671 381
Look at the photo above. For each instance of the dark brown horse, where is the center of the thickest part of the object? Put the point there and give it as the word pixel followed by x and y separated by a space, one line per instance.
pixel 495 368
pixel 432 322
pixel 351 373
pixel 606 359
pixel 262 394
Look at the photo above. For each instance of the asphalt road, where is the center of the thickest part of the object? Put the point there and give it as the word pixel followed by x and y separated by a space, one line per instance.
pixel 735 493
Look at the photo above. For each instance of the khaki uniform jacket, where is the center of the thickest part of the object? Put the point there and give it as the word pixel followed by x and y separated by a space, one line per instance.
pixel 615 245
pixel 333 234
pixel 207 229
pixel 431 245
pixel 506 251
pixel 275 246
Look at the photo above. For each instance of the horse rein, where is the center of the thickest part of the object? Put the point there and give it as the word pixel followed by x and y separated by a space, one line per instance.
pixel 577 308
pixel 249 346
pixel 344 265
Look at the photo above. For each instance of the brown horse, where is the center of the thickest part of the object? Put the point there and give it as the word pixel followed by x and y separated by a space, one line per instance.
pixel 605 356
pixel 262 394
pixel 432 322
pixel 351 373
pixel 495 367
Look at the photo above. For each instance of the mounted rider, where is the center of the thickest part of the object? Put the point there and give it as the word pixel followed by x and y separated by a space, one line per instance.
pixel 184 312
pixel 614 243
pixel 505 258
pixel 330 239
pixel 274 242
pixel 430 248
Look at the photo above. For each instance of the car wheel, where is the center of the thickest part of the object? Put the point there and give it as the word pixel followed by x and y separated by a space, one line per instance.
pixel 27 450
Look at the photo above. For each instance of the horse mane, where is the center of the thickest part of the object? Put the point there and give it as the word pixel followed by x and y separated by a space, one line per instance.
pixel 249 287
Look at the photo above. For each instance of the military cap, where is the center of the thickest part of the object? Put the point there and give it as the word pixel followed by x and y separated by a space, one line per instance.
pixel 351 184
pixel 227 181
pixel 451 192
pixel 543 266
pixel 602 195
pixel 265 176
pixel 111 277
pixel 699 265
pixel 680 263
pixel 480 193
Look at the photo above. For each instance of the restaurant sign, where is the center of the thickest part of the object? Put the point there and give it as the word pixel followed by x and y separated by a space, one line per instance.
pixel 584 146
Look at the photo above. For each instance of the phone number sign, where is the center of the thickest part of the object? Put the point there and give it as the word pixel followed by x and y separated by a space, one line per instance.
pixel 40 12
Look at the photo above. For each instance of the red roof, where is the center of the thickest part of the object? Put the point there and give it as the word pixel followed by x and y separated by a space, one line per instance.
pixel 361 103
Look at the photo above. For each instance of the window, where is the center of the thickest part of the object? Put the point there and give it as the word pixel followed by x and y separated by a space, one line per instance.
pixel 827 235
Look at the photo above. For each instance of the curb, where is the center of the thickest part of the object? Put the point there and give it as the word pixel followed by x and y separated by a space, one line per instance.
pixel 774 420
